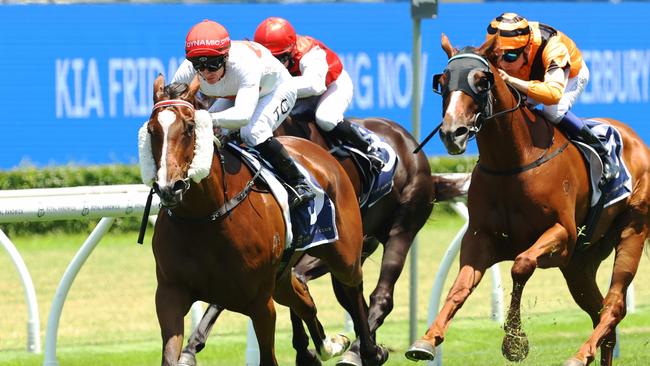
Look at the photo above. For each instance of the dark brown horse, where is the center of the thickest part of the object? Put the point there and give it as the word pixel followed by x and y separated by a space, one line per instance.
pixel 528 194
pixel 393 221
pixel 220 240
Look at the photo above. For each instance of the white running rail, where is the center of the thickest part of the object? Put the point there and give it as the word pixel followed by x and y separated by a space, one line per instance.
pixel 47 204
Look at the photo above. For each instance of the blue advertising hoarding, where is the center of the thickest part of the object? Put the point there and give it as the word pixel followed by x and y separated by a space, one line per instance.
pixel 78 79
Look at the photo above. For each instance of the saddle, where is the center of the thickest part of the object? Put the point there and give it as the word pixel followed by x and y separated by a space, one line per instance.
pixel 374 183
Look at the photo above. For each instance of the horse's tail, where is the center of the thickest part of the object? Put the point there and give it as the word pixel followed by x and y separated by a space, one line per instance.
pixel 449 186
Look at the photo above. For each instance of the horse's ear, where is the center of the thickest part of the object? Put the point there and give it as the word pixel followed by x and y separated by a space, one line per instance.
pixel 158 87
pixel 446 46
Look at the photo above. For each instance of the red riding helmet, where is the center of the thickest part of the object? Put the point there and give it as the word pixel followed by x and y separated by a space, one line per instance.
pixel 276 34
pixel 207 38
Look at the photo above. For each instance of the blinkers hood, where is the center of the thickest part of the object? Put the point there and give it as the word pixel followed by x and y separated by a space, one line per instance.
pixel 460 73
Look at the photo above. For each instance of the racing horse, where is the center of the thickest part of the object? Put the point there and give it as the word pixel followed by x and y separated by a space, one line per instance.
pixel 214 245
pixel 529 193
pixel 394 221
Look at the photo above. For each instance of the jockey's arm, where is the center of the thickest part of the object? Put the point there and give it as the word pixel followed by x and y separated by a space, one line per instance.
pixel 548 91
pixel 241 112
pixel 313 69
pixel 184 74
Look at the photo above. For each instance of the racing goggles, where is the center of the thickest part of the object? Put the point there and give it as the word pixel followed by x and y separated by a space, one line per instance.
pixel 510 56
pixel 212 64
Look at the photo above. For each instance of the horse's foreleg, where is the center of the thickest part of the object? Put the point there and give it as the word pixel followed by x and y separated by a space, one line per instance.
pixel 553 245
pixel 392 263
pixel 199 336
pixel 477 254
pixel 626 263
pixel 263 318
pixel 171 306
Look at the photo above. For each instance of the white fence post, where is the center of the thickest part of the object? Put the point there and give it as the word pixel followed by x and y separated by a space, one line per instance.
pixel 48 204
pixel 64 286
pixel 33 320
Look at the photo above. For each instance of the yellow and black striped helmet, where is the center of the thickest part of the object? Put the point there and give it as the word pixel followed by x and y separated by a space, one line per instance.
pixel 513 31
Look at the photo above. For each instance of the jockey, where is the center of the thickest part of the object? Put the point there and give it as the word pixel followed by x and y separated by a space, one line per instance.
pixel 544 63
pixel 254 94
pixel 320 79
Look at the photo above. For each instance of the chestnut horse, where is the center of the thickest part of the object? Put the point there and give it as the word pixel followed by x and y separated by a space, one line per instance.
pixel 220 240
pixel 394 221
pixel 528 194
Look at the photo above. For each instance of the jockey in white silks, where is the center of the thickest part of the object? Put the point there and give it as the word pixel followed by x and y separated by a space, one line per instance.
pixel 254 94
pixel 320 79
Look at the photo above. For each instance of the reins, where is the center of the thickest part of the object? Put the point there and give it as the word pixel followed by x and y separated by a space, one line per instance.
pixel 229 204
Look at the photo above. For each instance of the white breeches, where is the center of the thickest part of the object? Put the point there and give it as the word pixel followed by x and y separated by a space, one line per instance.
pixel 331 105
pixel 271 110
pixel 574 87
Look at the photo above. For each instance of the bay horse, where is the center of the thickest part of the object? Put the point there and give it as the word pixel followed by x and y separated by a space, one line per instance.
pixel 528 195
pixel 393 221
pixel 214 245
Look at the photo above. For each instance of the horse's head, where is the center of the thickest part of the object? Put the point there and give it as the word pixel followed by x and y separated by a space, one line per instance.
pixel 175 144
pixel 465 86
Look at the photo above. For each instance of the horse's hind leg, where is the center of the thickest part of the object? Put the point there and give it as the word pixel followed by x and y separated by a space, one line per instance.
pixel 171 306
pixel 580 277
pixel 347 279
pixel 365 350
pixel 199 336
pixel 300 342
pixel 392 263
pixel 626 263
pixel 293 292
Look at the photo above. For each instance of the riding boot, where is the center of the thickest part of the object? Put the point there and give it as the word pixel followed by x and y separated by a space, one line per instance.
pixel 273 152
pixel 351 136
pixel 577 129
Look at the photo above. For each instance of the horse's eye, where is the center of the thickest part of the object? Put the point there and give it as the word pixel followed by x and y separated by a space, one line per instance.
pixel 189 130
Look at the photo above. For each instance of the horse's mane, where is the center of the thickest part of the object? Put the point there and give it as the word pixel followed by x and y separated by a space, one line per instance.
pixel 467 49
pixel 175 90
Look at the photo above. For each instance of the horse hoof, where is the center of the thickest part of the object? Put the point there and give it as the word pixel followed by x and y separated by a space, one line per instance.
pixel 515 346
pixel 350 359
pixel 421 351
pixel 187 359
pixel 308 359
pixel 574 362
pixel 334 347
pixel 380 357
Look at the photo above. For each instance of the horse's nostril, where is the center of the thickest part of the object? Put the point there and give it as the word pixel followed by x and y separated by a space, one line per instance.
pixel 179 185
pixel 461 131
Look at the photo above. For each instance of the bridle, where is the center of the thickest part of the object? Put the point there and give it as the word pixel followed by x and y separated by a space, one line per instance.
pixel 229 204
pixel 185 183
pixel 460 72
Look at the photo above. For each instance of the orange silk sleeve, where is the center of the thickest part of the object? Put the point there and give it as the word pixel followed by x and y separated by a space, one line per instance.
pixel 556 52
pixel 547 92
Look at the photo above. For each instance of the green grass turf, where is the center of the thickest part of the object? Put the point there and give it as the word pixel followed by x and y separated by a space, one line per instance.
pixel 109 316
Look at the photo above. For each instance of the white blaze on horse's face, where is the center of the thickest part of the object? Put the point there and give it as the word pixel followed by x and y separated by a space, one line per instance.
pixel 458 119
pixel 166 118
